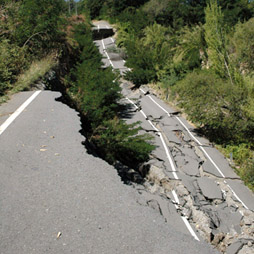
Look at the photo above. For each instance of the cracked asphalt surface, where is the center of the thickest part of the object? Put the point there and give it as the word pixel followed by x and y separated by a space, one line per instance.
pixel 56 198
pixel 211 196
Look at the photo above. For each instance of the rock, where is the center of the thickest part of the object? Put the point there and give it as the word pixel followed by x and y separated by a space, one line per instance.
pixel 144 169
pixel 155 174
pixel 217 238
pixel 213 215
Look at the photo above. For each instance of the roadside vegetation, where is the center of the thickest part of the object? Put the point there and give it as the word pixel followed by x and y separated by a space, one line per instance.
pixel 37 36
pixel 199 54
pixel 96 93
pixel 30 36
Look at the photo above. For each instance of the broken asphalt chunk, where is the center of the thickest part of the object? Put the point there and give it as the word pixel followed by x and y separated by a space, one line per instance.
pixel 209 188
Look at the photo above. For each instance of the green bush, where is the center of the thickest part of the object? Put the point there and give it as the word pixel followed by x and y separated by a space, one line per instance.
pixel 149 55
pixel 116 140
pixel 243 45
pixel 12 62
pixel 39 25
pixel 97 94
pixel 243 155
pixel 216 106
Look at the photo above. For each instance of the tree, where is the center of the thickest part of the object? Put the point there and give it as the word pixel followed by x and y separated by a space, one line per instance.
pixel 191 48
pixel 216 40
pixel 39 23
pixel 243 45
pixel 236 10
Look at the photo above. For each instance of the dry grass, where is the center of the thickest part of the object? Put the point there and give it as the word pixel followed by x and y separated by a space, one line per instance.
pixel 37 70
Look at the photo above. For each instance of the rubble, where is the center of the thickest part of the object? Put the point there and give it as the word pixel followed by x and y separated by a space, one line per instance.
pixel 205 198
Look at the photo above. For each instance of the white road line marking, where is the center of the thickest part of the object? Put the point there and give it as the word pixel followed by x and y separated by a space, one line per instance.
pixel 184 218
pixel 162 140
pixel 186 222
pixel 189 228
pixel 185 127
pixel 5 125
pixel 103 45
pixel 176 198
pixel 104 48
pixel 246 207
pixel 215 165
pixel 207 155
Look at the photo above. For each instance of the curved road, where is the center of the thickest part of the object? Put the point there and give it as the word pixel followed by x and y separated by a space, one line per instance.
pixel 56 198
pixel 215 201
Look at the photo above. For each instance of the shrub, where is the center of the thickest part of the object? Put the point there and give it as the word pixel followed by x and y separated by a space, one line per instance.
pixel 243 45
pixel 12 62
pixel 243 155
pixel 216 106
pixel 97 94
pixel 39 23
pixel 117 140
pixel 149 55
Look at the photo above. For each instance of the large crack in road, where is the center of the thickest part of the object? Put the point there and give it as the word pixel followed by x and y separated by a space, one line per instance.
pixel 186 181
pixel 205 199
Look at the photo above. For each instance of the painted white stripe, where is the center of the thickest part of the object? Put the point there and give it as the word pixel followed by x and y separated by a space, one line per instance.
pixel 109 59
pixel 104 48
pixel 186 222
pixel 246 207
pixel 103 45
pixel 112 40
pixel 162 140
pixel 215 165
pixel 155 102
pixel 207 155
pixel 5 125
pixel 189 228
pixel 176 198
pixel 185 127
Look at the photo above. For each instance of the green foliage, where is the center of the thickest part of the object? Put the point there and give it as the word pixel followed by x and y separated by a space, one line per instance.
pixel 175 13
pixel 243 156
pixel 202 59
pixel 236 10
pixel 12 62
pixel 96 91
pixel 28 30
pixel 215 39
pixel 97 94
pixel 136 19
pixel 217 106
pixel 191 48
pixel 243 45
pixel 39 24
pixel 148 55
pixel 94 7
pixel 117 140
pixel 9 20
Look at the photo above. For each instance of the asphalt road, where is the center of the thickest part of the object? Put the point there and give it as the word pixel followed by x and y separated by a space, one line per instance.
pixel 56 198
pixel 212 198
